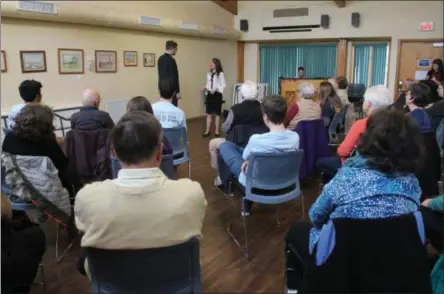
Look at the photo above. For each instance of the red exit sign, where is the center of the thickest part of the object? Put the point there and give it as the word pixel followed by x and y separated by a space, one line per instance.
pixel 427 26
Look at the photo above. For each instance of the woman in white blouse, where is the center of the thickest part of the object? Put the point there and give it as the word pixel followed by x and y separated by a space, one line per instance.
pixel 214 91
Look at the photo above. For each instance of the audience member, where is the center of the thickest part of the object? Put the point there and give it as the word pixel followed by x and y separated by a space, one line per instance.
pixel 33 135
pixel 437 71
pixel 140 103
pixel 142 208
pixel 31 92
pixel 341 84
pixel 380 177
pixel 169 116
pixel 246 113
pixel 417 97
pixel 330 102
pixel 436 107
pixel 90 117
pixel 305 109
pixel 278 139
pixel 399 104
pixel 23 246
pixel 375 97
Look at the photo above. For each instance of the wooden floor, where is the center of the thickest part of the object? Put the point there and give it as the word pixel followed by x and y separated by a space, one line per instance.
pixel 224 267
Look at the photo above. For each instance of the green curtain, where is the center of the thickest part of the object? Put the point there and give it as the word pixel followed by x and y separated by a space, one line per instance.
pixel 319 61
pixel 379 64
pixel 362 63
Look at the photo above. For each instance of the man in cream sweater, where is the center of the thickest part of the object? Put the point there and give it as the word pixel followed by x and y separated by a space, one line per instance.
pixel 142 208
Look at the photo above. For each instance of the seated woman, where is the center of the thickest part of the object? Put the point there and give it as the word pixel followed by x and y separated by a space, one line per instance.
pixel 340 84
pixel 428 176
pixel 375 97
pixel 140 103
pixel 278 139
pixel 436 107
pixel 305 109
pixel 330 102
pixel 378 182
pixel 23 246
pixel 33 135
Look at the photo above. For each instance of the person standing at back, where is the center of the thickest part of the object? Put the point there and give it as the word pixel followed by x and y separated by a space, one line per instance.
pixel 167 69
pixel 301 72
pixel 31 92
pixel 169 115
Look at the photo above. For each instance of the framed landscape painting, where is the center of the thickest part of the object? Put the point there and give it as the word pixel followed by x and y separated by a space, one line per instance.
pixel 33 61
pixel 71 61
pixel 149 59
pixel 106 61
pixel 4 66
pixel 130 58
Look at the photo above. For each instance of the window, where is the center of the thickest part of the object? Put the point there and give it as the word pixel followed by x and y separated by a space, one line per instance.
pixel 369 63
pixel 319 61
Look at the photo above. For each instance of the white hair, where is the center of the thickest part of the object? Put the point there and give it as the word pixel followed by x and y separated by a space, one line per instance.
pixel 248 90
pixel 307 90
pixel 378 96
pixel 91 98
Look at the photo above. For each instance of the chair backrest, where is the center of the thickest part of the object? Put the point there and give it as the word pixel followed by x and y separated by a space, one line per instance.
pixel 178 140
pixel 240 134
pixel 273 172
pixel 356 92
pixel 167 270
pixel 385 255
pixel 337 125
pixel 166 166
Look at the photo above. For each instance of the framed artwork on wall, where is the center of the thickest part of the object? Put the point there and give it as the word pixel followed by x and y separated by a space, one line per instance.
pixel 106 61
pixel 33 61
pixel 130 58
pixel 149 59
pixel 4 65
pixel 71 61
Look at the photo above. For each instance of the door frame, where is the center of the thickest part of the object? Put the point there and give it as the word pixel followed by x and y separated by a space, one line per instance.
pixel 398 57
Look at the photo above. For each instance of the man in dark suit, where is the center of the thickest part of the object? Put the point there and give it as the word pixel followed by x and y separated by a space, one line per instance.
pixel 167 69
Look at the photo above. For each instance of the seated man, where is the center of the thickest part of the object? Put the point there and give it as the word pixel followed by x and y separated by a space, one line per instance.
pixel 142 208
pixel 246 113
pixel 375 97
pixel 31 92
pixel 305 109
pixel 278 139
pixel 90 117
pixel 170 116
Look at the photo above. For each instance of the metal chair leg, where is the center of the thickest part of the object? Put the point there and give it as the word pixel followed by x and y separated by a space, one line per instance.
pixel 244 249
pixel 278 222
pixel 189 169
pixel 303 205
pixel 42 276
pixel 57 257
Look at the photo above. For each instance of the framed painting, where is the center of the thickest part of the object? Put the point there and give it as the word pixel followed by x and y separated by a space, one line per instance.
pixel 71 61
pixel 33 61
pixel 106 61
pixel 149 59
pixel 4 65
pixel 130 58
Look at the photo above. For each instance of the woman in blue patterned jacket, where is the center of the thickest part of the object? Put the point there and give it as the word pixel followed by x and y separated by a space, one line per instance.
pixel 378 182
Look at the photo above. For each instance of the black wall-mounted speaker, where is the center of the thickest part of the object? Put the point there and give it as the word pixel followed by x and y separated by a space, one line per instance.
pixel 244 25
pixel 325 21
pixel 356 19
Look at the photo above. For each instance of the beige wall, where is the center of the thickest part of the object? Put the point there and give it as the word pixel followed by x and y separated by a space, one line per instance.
pixel 394 19
pixel 60 91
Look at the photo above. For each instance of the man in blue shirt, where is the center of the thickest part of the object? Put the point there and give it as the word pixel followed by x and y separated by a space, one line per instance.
pixel 31 92
pixel 278 139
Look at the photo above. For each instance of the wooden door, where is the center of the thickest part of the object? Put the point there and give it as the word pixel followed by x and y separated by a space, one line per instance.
pixel 410 52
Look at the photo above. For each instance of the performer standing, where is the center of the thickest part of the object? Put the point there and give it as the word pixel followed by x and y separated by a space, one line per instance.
pixel 167 69
pixel 214 91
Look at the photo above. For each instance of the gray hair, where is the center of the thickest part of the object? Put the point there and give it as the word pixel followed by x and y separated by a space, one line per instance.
pixel 378 96
pixel 248 91
pixel 307 90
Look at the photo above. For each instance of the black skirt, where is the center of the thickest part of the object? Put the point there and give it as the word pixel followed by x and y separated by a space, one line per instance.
pixel 214 103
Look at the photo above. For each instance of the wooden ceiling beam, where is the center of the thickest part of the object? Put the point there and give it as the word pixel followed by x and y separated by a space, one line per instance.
pixel 229 5
pixel 340 3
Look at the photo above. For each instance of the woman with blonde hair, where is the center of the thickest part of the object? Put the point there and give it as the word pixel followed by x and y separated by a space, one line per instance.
pixel 330 102
pixel 341 84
